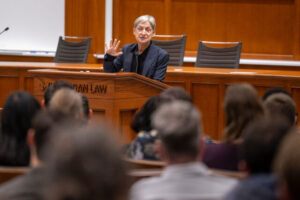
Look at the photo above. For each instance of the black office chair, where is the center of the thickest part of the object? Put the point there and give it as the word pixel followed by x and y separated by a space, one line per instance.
pixel 175 48
pixel 221 57
pixel 72 52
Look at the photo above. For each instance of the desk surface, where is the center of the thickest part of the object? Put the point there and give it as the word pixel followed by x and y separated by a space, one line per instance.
pixel 47 65
pixel 267 62
pixel 234 72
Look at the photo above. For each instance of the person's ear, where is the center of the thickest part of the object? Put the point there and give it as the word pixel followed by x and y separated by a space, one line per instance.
pixel 242 166
pixel 202 148
pixel 159 149
pixel 90 113
pixel 43 104
pixel 30 137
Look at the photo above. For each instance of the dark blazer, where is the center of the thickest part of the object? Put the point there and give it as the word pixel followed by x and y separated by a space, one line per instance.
pixel 155 64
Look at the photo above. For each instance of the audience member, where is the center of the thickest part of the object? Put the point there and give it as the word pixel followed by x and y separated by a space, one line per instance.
pixel 142 147
pixel 18 110
pixel 66 104
pixel 179 129
pixel 88 166
pixel 51 89
pixel 142 57
pixel 287 167
pixel 30 185
pixel 261 143
pixel 282 105
pixel 241 106
pixel 275 90
pixel 175 93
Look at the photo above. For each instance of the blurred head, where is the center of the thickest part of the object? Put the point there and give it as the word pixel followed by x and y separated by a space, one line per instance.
pixel 179 128
pixel 66 103
pixel 39 134
pixel 51 89
pixel 175 93
pixel 275 90
pixel 18 110
pixel 88 166
pixel 142 119
pixel 282 105
pixel 144 29
pixel 261 143
pixel 241 106
pixel 287 166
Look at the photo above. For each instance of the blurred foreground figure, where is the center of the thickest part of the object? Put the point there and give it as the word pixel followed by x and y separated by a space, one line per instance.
pixel 179 128
pixel 85 163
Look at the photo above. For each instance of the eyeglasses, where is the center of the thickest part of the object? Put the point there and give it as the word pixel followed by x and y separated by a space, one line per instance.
pixel 141 29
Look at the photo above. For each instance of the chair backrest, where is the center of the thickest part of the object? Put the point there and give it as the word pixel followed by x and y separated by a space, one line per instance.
pixel 223 57
pixel 72 52
pixel 175 48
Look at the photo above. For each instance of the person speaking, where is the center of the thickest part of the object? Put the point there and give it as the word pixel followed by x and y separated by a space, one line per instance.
pixel 142 57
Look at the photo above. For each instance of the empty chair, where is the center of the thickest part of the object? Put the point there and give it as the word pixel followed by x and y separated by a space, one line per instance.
pixel 175 48
pixel 72 52
pixel 221 57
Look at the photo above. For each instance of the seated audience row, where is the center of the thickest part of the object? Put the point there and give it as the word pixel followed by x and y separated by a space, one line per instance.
pixel 73 159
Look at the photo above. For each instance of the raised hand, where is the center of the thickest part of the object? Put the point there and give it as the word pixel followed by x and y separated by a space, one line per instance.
pixel 113 47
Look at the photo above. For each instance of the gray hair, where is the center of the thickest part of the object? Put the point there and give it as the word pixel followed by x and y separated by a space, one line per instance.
pixel 179 127
pixel 145 18
pixel 66 103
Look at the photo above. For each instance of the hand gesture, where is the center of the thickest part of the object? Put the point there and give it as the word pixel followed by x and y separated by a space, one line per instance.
pixel 113 47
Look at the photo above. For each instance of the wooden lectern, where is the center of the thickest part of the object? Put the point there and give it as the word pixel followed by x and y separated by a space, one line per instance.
pixel 116 96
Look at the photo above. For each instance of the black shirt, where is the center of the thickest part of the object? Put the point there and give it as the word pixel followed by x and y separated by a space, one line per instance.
pixel 138 60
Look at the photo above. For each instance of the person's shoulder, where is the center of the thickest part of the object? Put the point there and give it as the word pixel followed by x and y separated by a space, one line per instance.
pixel 146 183
pixel 129 46
pixel 22 184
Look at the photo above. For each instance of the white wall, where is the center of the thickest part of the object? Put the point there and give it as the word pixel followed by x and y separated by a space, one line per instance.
pixel 33 24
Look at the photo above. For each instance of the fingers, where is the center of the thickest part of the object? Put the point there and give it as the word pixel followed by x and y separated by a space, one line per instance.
pixel 119 53
pixel 115 43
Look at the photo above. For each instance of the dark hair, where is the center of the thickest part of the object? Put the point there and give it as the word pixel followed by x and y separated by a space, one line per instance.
pixel 283 105
pixel 175 93
pixel 51 89
pixel 18 110
pixel 241 106
pixel 86 106
pixel 42 124
pixel 88 166
pixel 261 143
pixel 142 119
pixel 287 164
pixel 275 90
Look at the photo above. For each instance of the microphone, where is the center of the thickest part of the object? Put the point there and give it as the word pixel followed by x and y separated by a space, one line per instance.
pixel 6 29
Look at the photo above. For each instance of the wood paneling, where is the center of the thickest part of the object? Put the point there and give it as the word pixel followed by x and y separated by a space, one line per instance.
pixel 266 27
pixel 86 18
pixel 201 92
pixel 207 87
pixel 126 11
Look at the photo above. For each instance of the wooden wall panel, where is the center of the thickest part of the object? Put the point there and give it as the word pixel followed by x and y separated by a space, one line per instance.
pixel 201 92
pixel 126 11
pixel 266 27
pixel 86 18
pixel 7 85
